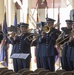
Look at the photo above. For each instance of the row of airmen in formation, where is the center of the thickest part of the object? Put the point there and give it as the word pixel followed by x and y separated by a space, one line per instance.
pixel 45 45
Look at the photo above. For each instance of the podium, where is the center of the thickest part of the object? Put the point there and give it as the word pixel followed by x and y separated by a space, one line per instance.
pixel 19 55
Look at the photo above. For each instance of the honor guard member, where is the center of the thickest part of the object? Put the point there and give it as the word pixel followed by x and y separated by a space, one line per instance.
pixel 23 45
pixel 65 59
pixel 47 39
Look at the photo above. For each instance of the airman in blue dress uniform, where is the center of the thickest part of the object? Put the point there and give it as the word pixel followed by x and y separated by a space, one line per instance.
pixel 45 49
pixel 65 59
pixel 14 50
pixel 70 52
pixel 14 45
pixel 23 42
pixel 40 25
pixel 22 45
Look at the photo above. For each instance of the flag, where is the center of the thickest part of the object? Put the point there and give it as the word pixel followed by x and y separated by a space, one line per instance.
pixel 15 20
pixel 4 53
pixel 27 18
pixel 4 45
pixel 4 26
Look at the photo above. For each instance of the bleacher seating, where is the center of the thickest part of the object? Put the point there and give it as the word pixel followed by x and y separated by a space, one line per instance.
pixel 1 69
pixel 20 71
pixel 43 72
pixel 4 71
pixel 67 73
pixel 16 74
pixel 38 70
pixel 26 72
pixel 33 74
pixel 51 73
pixel 9 73
pixel 59 72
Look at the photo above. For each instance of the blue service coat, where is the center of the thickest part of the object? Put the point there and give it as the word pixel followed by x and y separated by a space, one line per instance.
pixel 14 50
pixel 45 50
pixel 23 46
pixel 71 43
pixel 45 45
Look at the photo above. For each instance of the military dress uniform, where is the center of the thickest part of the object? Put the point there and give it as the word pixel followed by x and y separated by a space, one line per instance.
pixel 14 50
pixel 71 43
pixel 37 43
pixel 66 51
pixel 45 50
pixel 64 58
pixel 38 53
pixel 23 46
pixel 10 40
pixel 68 55
pixel 48 51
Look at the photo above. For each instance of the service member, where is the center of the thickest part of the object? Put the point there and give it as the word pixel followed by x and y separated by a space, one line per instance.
pixel 71 50
pixel 13 32
pixel 46 42
pixel 65 59
pixel 14 49
pixel 23 45
pixel 37 43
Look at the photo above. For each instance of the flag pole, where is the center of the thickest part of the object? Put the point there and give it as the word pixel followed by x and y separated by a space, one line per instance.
pixel 37 19
pixel 37 16
pixel 53 8
pixel 47 12
pixel 27 18
pixel 58 22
